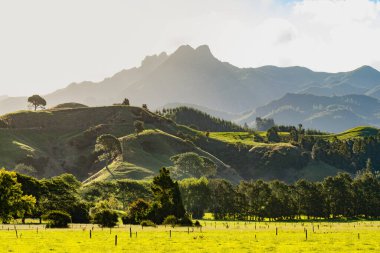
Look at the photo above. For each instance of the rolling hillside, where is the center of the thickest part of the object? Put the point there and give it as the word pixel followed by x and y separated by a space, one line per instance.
pixel 62 140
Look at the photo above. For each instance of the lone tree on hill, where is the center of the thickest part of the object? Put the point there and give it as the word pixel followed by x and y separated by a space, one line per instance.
pixel 125 101
pixel 37 102
pixel 109 148
pixel 144 106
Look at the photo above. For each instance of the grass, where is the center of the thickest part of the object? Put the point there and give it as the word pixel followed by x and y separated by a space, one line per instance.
pixel 361 131
pixel 213 237
pixel 243 138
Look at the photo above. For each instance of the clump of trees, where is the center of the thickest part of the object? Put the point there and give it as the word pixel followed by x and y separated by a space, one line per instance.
pixel 125 101
pixel 263 124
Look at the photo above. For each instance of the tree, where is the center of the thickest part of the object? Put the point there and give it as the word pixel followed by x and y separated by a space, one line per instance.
pixel 196 196
pixel 167 198
pixel 137 212
pixel 139 126
pixel 106 218
pixel 12 201
pixel 367 194
pixel 108 148
pixel 272 135
pixel 170 220
pixel 191 164
pixel 37 102
pixel 57 219
pixel 61 193
pixel 264 124
pixel 125 101
pixel 339 195
pixel 144 106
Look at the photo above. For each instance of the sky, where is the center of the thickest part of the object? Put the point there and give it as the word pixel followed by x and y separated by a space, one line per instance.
pixel 47 44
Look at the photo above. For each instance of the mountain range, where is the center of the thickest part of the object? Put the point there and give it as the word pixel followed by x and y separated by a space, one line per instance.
pixel 332 114
pixel 195 76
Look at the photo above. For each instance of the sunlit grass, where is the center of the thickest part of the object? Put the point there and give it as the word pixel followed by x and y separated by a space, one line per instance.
pixel 212 237
pixel 244 138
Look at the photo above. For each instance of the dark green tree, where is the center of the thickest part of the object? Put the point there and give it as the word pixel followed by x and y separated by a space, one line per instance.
pixel 12 200
pixel 37 102
pixel 272 135
pixel 108 148
pixel 167 198
pixel 139 126
pixel 125 101
pixel 190 164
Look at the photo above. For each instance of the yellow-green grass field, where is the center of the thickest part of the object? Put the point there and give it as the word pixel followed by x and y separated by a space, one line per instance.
pixel 244 138
pixel 212 237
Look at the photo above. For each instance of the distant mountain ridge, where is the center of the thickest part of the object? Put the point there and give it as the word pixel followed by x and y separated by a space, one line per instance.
pixel 333 114
pixel 195 76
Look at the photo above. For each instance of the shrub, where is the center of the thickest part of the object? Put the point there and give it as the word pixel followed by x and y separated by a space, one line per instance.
pixel 197 224
pixel 57 219
pixel 185 221
pixel 147 223
pixel 106 218
pixel 170 220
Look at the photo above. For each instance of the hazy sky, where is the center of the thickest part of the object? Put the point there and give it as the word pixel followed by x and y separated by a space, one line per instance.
pixel 47 44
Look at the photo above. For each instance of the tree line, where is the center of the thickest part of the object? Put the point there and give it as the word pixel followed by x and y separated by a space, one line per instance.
pixel 164 200
pixel 199 120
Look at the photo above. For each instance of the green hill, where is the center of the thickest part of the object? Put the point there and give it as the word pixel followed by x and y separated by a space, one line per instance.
pixel 62 140
pixel 144 154
pixel 356 132
pixel 71 105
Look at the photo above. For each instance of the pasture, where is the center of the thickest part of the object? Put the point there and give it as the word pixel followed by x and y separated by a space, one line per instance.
pixel 363 236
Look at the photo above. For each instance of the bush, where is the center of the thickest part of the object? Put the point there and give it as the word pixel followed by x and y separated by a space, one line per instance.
pixel 80 212
pixel 170 220
pixel 57 219
pixel 185 221
pixel 148 223
pixel 106 218
pixel 197 224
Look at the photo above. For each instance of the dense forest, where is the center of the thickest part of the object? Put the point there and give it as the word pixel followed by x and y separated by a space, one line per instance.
pixel 199 120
